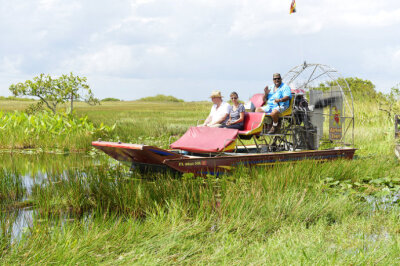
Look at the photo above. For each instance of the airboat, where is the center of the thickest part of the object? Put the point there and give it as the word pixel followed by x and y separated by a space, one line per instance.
pixel 318 125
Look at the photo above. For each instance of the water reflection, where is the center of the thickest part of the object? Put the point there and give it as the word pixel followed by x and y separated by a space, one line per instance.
pixel 31 164
pixel 383 202
pixel 20 172
pixel 23 220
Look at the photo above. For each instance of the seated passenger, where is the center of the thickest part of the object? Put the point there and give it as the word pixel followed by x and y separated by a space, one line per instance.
pixel 219 111
pixel 236 114
pixel 278 101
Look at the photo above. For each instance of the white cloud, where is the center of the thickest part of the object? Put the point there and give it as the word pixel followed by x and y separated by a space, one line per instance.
pixel 196 39
pixel 381 18
pixel 110 60
pixel 11 64
pixel 396 55
pixel 61 7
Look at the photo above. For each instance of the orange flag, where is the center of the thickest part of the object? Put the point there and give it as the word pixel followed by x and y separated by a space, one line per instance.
pixel 293 7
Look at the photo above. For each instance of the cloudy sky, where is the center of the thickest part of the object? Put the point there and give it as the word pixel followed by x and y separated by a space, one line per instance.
pixel 187 48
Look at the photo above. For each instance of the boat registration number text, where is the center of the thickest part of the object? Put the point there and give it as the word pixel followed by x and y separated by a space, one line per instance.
pixel 192 163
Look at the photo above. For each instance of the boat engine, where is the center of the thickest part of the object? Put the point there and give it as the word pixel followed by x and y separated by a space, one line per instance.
pixel 304 132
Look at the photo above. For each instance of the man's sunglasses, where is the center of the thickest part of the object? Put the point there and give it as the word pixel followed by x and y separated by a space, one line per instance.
pixel 234 98
pixel 277 78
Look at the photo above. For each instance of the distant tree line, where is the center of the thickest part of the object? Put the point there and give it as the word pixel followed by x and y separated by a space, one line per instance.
pixel 161 98
pixel 110 99
pixel 13 98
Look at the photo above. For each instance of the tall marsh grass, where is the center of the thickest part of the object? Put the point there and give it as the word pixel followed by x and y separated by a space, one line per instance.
pixel 285 214
pixel 279 189
pixel 304 213
pixel 12 189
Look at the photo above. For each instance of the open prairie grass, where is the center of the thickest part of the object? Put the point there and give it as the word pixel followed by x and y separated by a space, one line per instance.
pixel 10 105
pixel 159 123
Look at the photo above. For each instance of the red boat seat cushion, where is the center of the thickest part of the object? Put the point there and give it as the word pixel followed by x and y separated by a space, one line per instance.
pixel 258 100
pixel 253 123
pixel 207 139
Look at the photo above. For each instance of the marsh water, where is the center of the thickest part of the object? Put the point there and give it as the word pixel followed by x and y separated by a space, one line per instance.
pixel 33 168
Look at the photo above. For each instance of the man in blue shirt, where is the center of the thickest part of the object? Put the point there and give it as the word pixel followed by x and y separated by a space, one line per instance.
pixel 277 101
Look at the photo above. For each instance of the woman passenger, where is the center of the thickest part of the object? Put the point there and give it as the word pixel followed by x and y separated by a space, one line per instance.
pixel 236 115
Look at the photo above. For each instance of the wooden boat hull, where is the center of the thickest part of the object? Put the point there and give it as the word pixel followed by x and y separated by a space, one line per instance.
pixel 153 158
pixel 217 165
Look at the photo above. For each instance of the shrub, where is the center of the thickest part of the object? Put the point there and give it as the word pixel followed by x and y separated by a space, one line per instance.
pixel 161 98
pixel 110 99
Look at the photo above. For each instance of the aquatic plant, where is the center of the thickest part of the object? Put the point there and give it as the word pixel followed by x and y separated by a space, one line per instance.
pixel 11 188
pixel 46 130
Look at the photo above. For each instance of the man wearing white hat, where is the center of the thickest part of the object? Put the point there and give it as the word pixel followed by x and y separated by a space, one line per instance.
pixel 219 111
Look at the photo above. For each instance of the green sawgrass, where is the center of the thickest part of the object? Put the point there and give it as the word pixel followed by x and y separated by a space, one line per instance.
pixel 7 220
pixel 114 189
pixel 125 242
pixel 33 163
pixel 283 214
pixel 12 189
pixel 300 225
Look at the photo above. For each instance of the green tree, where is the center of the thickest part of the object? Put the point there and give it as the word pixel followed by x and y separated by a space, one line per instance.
pixel 390 103
pixel 52 92
pixel 76 89
pixel 360 88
